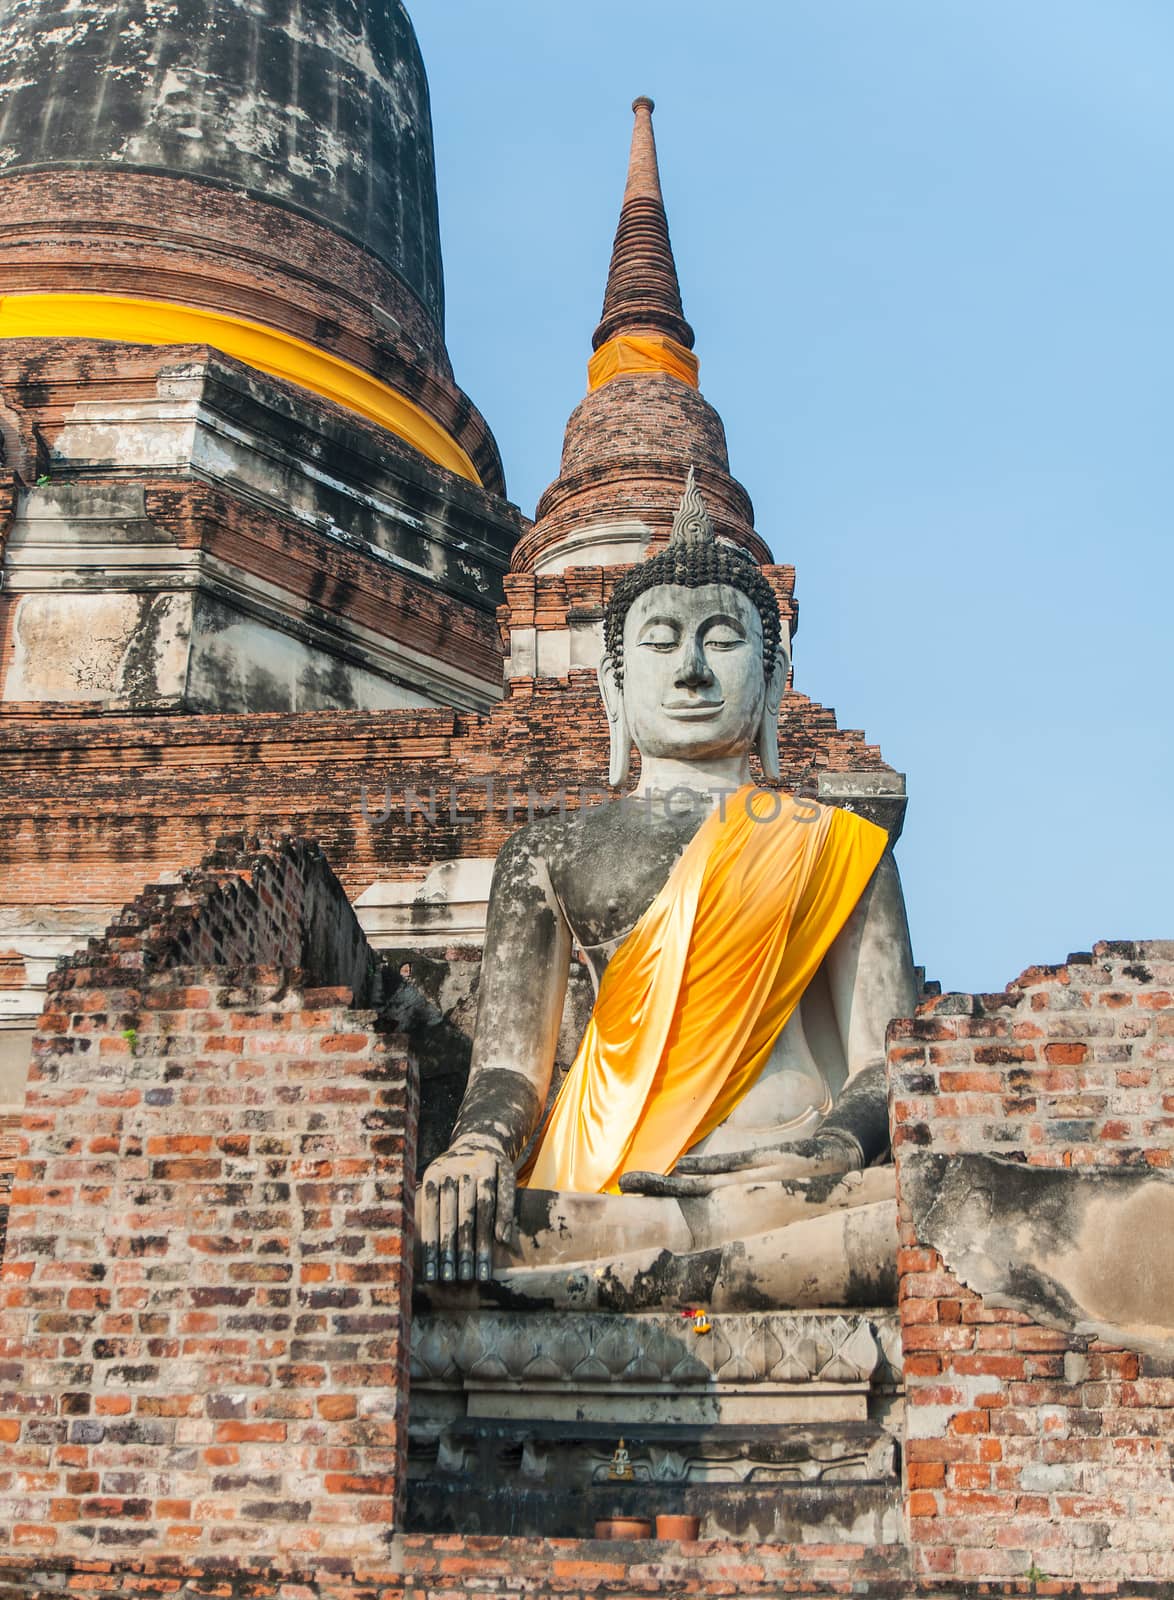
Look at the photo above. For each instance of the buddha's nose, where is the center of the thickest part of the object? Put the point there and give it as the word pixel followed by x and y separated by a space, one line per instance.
pixel 693 671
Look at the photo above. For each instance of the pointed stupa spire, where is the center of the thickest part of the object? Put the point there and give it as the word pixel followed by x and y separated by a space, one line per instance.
pixel 643 294
pixel 643 421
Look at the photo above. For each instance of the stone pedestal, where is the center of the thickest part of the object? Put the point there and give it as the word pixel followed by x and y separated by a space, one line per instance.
pixel 772 1425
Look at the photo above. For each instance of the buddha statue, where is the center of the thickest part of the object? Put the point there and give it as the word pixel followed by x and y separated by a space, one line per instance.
pixel 720 1140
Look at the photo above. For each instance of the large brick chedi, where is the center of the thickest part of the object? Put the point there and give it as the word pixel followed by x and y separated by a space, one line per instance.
pixel 247 478
pixel 209 1251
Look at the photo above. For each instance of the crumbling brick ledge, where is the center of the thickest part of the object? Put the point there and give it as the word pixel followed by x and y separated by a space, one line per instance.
pixel 449 1567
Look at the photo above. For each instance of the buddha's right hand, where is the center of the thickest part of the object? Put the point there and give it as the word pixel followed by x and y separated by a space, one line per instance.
pixel 466 1202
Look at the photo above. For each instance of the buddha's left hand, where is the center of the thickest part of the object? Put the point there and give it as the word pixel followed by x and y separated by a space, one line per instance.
pixel 701 1175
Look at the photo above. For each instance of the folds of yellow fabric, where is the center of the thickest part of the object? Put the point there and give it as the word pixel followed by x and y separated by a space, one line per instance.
pixel 691 1004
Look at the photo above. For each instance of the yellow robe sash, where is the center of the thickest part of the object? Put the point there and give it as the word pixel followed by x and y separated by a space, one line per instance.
pixel 691 1004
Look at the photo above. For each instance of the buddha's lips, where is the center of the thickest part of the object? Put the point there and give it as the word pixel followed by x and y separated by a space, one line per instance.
pixel 693 710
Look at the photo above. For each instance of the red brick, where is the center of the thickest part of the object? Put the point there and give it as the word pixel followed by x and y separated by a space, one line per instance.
pixel 354 1483
pixel 1065 1055
pixel 970 1422
pixel 336 1407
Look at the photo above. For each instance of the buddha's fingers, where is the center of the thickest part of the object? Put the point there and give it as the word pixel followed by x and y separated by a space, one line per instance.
pixel 664 1183
pixel 684 1186
pixel 449 1200
pixel 429 1226
pixel 466 1225
pixel 741 1160
pixel 703 1166
pixel 505 1225
pixel 486 1205
pixel 784 1166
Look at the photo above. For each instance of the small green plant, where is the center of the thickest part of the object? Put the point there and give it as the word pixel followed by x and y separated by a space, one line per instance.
pixel 131 1035
pixel 44 481
pixel 1035 1574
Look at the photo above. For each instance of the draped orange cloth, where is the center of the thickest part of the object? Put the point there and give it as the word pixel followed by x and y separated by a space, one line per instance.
pixel 634 352
pixel 694 999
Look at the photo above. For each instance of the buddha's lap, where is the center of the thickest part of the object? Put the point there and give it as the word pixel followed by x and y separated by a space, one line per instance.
pixel 559 1228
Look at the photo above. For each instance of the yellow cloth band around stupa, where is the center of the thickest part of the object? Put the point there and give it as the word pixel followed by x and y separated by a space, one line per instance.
pixel 633 352
pixel 133 321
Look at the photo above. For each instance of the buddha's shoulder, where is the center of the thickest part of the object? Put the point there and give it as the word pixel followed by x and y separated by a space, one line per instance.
pixel 597 830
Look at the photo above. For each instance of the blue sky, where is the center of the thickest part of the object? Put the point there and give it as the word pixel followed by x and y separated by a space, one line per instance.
pixel 928 249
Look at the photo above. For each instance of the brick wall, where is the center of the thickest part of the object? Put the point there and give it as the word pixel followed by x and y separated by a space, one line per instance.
pixel 97 805
pixel 446 1568
pixel 419 1567
pixel 209 1251
pixel 1030 1447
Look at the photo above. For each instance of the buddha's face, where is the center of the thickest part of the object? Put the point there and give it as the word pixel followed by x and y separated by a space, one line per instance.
pixel 693 682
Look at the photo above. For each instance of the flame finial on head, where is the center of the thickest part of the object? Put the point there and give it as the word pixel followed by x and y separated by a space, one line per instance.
pixel 694 556
pixel 692 524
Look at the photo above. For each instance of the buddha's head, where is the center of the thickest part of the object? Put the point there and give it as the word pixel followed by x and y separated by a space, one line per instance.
pixel 695 657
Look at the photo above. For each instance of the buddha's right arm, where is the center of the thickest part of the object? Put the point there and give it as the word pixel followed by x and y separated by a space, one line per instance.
pixel 467 1195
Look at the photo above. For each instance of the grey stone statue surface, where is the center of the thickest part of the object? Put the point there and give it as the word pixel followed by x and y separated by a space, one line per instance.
pixel 788 1201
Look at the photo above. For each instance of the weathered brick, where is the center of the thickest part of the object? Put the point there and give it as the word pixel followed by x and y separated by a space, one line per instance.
pixel 208 1433
pixel 1022 1408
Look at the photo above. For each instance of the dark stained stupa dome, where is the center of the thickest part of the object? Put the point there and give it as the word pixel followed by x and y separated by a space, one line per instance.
pixel 317 105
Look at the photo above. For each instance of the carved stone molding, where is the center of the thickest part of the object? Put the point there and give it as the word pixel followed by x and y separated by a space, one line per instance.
pixel 582 1351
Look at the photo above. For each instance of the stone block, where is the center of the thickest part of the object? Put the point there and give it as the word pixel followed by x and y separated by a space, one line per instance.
pixel 516 1417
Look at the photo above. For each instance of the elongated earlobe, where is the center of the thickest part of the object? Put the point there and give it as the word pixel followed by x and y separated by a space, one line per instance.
pixel 768 728
pixel 619 734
